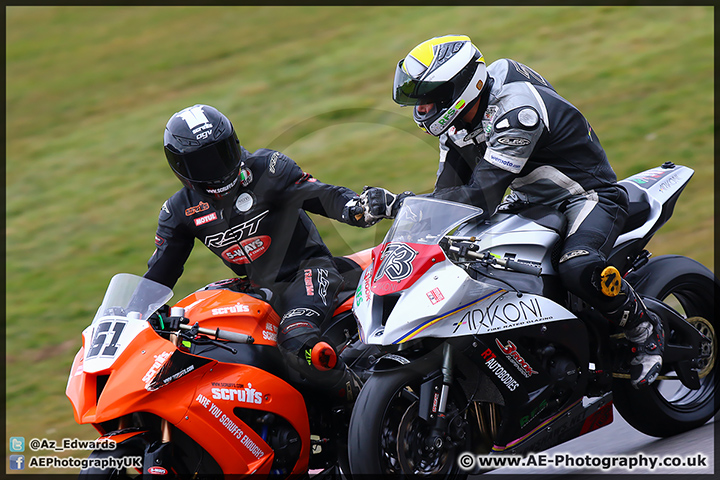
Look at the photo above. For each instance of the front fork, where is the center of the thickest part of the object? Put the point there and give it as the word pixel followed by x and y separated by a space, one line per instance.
pixel 438 416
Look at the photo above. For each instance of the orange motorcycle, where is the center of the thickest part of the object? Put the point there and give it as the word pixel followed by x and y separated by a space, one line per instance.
pixel 204 392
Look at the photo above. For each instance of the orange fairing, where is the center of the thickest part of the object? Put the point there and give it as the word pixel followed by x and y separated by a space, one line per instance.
pixel 234 311
pixel 212 422
pixel 362 258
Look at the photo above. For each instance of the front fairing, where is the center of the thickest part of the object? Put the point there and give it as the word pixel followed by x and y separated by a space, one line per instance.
pixel 412 290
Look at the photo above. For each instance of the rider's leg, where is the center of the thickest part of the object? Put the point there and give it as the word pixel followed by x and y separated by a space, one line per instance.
pixel 594 225
pixel 307 302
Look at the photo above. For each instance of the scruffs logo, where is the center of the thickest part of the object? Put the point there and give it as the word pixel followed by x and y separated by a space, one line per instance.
pixel 239 308
pixel 510 351
pixel 244 395
pixel 206 219
pixel 156 366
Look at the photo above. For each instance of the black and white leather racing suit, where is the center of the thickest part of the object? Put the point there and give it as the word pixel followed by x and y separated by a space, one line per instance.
pixel 534 141
pixel 263 233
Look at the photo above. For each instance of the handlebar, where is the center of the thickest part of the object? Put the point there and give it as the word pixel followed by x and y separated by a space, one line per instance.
pixel 503 262
pixel 222 334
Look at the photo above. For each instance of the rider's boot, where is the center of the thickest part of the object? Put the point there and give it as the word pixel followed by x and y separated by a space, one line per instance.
pixel 642 328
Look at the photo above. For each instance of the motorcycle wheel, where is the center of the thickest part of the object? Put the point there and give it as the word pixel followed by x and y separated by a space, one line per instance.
pixel 667 407
pixel 386 435
pixel 122 451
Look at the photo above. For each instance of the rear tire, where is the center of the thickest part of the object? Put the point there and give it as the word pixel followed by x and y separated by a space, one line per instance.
pixel 667 407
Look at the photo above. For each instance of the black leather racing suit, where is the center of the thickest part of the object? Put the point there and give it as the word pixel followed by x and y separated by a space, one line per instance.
pixel 265 234
pixel 534 141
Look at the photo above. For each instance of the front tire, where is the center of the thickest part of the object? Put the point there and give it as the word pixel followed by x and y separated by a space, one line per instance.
pixel 386 433
pixel 667 407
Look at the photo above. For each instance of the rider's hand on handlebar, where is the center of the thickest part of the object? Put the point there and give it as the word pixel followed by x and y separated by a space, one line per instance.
pixel 380 203
pixel 354 214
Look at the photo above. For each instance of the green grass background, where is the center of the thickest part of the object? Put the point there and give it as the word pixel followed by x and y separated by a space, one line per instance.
pixel 89 90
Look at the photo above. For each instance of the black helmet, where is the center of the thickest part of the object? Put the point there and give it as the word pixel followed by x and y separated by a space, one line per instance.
pixel 203 150
pixel 448 72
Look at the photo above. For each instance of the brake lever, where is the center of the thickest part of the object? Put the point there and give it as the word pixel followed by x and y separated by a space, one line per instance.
pixel 191 334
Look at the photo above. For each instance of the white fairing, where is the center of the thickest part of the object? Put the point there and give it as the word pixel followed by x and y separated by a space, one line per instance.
pixel 434 297
pixel 467 307
pixel 654 186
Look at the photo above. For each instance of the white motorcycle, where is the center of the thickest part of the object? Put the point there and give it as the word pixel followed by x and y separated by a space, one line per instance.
pixel 485 352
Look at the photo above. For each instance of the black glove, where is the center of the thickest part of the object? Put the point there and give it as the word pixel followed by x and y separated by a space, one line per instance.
pixel 353 214
pixel 380 203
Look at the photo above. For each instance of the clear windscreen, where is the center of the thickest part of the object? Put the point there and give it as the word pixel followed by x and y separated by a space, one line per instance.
pixel 133 296
pixel 426 220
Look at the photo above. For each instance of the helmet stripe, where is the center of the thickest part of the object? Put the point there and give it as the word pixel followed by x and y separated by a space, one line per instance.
pixel 425 52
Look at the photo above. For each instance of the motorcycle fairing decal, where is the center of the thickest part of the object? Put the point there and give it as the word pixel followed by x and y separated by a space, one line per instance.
pixel 178 365
pixel 648 178
pixel 402 264
pixel 412 333
pixel 107 339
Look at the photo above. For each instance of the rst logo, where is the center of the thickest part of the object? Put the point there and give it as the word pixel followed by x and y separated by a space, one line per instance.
pixel 228 237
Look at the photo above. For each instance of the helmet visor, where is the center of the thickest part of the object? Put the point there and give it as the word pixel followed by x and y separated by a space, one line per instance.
pixel 409 91
pixel 212 163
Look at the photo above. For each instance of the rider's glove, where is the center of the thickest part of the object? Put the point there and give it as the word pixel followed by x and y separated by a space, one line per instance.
pixel 353 214
pixel 380 203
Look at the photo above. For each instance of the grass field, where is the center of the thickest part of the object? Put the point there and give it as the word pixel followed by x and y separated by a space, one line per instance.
pixel 89 90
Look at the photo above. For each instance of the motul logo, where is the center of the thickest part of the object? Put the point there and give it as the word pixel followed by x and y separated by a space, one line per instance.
pixel 157 471
pixel 205 219
pixel 510 351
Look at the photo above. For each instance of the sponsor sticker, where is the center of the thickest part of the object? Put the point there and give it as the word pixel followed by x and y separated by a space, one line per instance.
pixel 248 251
pixel 435 296
pixel 205 219
pixel 502 374
pixel 200 207
pixel 510 351
pixel 238 308
pixel 514 141
pixel 309 290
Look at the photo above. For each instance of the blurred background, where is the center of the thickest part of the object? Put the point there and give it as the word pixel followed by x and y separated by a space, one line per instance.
pixel 89 90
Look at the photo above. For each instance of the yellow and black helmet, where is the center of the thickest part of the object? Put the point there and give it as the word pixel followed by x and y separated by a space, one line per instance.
pixel 448 72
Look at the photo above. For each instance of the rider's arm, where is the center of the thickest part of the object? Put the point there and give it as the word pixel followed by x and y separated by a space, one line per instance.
pixel 301 188
pixel 173 244
pixel 482 186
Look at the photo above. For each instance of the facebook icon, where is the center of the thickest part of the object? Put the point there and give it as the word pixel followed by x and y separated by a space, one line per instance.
pixel 17 462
